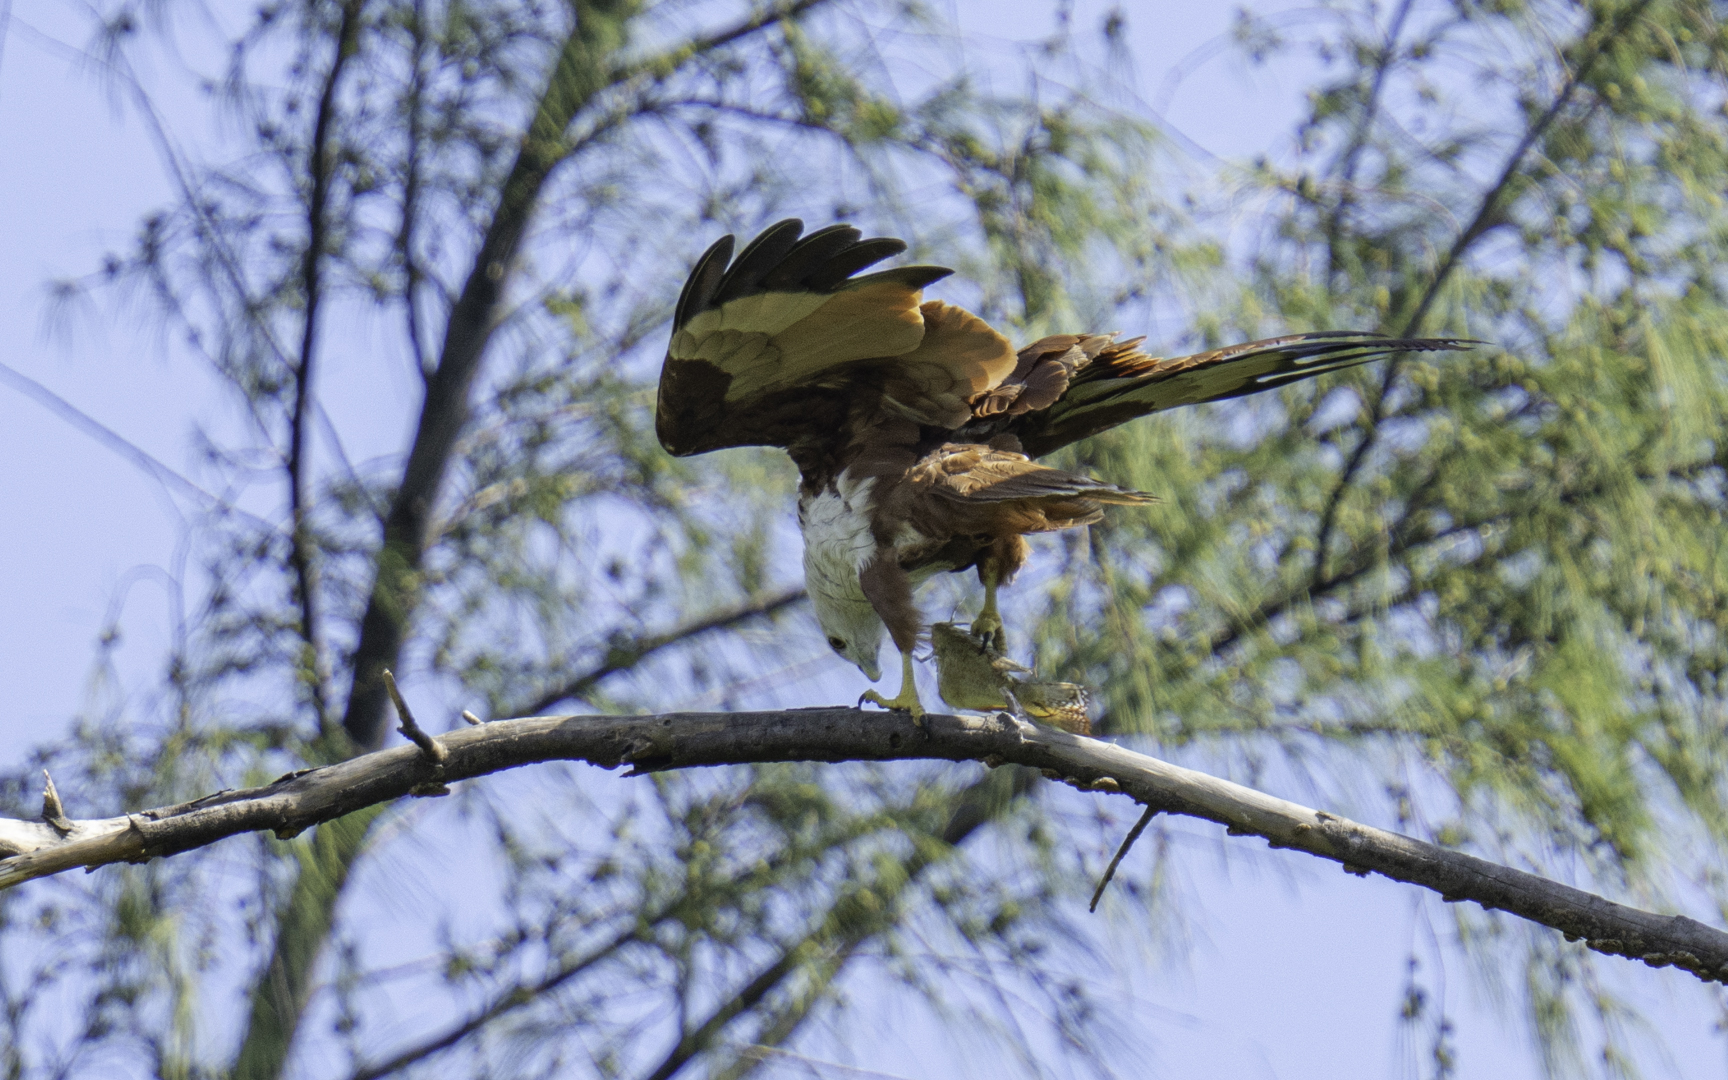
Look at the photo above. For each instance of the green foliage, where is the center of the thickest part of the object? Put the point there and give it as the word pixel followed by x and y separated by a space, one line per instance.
pixel 1505 567
pixel 408 175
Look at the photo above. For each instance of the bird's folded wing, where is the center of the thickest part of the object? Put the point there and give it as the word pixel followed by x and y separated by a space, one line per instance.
pixel 981 474
pixel 780 345
pixel 959 359
pixel 1123 383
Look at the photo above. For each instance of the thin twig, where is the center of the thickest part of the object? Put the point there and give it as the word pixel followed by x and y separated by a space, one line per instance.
pixel 1487 213
pixel 411 193
pixel 139 457
pixel 628 654
pixel 300 545
pixel 1127 842
pixel 1359 138
pixel 840 931
pixel 430 748
pixel 516 997
pixel 179 169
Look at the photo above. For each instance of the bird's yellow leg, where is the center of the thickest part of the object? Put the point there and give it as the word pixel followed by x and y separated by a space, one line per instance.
pixel 907 699
pixel 987 627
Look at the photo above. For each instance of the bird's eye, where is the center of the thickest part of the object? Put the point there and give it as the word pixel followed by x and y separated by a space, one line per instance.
pixel 836 644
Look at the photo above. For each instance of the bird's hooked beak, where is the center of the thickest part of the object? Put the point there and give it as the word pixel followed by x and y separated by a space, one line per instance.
pixel 872 670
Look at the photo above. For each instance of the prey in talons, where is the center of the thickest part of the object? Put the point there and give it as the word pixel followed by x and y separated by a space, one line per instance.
pixel 970 675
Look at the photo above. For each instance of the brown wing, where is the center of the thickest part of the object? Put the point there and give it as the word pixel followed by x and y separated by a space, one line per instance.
pixel 1041 374
pixel 779 347
pixel 959 359
pixel 961 496
pixel 1098 383
pixel 981 474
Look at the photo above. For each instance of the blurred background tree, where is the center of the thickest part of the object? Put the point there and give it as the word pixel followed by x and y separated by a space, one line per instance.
pixel 1476 598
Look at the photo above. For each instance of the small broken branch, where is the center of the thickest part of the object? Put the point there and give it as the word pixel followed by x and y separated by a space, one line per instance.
pixel 688 740
pixel 1127 842
pixel 52 811
pixel 432 748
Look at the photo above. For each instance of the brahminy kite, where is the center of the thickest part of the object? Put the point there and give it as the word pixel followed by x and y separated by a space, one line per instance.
pixel 915 426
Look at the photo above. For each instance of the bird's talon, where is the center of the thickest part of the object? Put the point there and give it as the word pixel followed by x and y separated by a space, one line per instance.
pixel 907 699
pixel 906 703
pixel 896 705
pixel 988 629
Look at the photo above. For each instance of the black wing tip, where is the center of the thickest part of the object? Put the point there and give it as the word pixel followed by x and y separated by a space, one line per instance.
pixel 759 259
pixel 704 280
pixel 1371 338
pixel 1348 349
pixel 918 277
pixel 780 257
pixel 837 270
pixel 1428 344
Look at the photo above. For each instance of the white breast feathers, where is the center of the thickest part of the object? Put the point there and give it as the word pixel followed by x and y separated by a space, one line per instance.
pixel 837 539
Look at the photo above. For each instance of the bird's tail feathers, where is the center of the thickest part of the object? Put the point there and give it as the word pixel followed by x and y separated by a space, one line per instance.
pixel 1124 383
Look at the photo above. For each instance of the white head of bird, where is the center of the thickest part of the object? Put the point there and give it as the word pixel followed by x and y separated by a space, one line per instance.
pixel 852 627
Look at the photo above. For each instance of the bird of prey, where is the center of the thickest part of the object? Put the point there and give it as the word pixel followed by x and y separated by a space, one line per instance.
pixel 915 426
pixel 971 675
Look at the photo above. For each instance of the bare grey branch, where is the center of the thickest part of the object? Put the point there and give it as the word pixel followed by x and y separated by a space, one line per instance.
pixel 688 740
